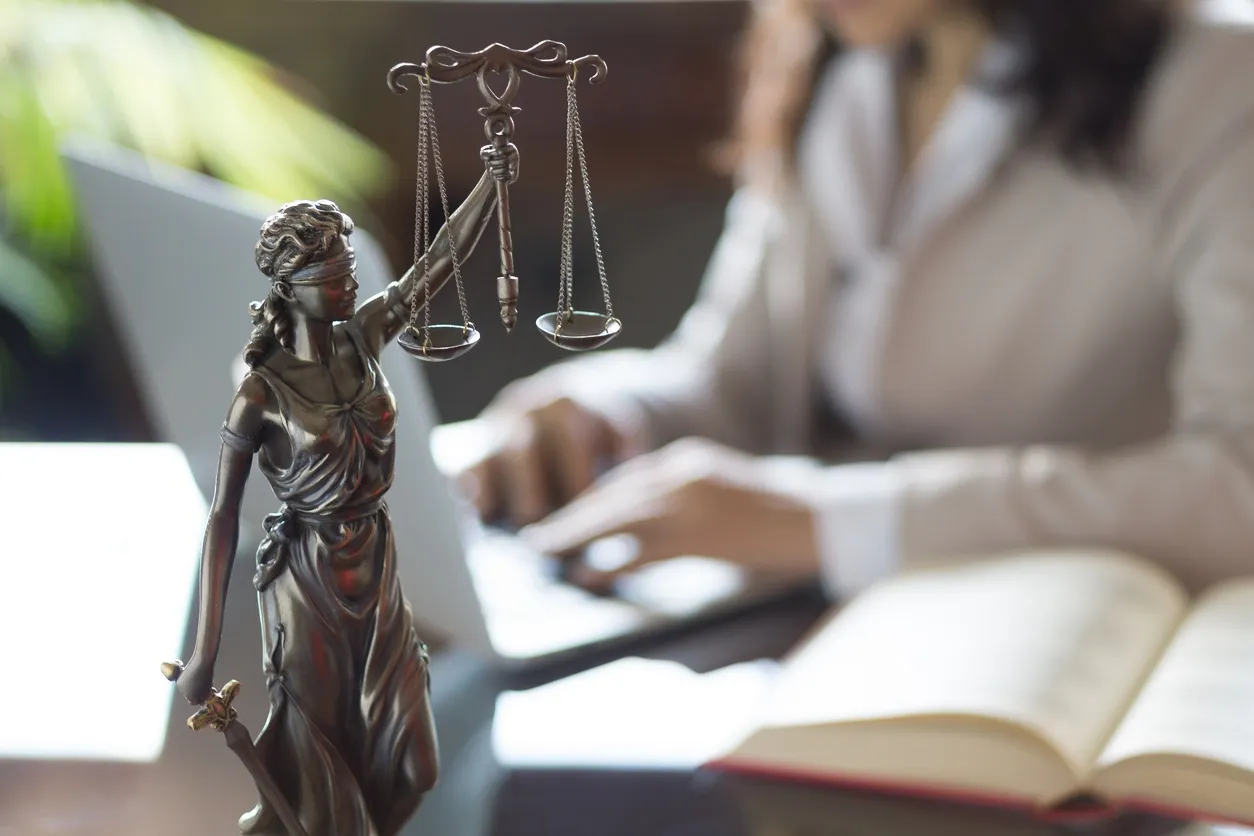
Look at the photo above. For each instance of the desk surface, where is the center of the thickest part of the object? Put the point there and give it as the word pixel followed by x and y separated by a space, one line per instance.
pixel 782 809
pixel 198 788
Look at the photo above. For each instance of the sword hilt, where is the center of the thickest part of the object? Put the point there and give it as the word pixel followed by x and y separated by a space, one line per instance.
pixel 216 713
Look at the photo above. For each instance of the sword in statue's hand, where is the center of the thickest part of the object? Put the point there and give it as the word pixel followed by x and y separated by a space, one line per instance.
pixel 217 714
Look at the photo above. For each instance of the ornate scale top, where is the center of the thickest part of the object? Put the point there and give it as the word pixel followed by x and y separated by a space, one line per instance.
pixel 566 327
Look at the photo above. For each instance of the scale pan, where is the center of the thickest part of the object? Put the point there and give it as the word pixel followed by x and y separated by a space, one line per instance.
pixel 580 330
pixel 446 342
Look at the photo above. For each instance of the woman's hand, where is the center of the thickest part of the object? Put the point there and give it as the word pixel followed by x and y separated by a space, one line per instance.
pixel 690 498
pixel 547 449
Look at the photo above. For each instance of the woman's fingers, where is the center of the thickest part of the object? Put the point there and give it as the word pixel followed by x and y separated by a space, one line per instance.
pixel 477 485
pixel 573 439
pixel 545 456
pixel 619 507
pixel 519 471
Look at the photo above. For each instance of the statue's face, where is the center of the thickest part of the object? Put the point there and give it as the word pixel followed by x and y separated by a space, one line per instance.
pixel 333 299
pixel 876 23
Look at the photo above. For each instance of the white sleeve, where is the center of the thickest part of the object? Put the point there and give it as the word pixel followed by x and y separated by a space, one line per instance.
pixel 856 510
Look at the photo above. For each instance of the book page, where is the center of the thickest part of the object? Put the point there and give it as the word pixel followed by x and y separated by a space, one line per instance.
pixel 1055 642
pixel 1200 699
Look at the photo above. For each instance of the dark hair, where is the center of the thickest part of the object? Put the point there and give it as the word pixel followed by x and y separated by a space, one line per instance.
pixel 1086 64
pixel 300 233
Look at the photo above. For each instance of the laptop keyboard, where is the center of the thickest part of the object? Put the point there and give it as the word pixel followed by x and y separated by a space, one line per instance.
pixel 529 611
pixel 510 575
pixel 505 571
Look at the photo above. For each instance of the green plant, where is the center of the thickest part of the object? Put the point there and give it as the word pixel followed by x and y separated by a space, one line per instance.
pixel 136 77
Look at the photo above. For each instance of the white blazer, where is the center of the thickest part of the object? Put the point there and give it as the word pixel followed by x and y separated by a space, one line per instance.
pixel 1029 357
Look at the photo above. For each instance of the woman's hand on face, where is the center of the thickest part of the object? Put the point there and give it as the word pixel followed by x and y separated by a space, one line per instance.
pixel 548 450
pixel 690 498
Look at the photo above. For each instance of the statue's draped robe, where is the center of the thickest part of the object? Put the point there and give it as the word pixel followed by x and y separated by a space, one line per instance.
pixel 349 736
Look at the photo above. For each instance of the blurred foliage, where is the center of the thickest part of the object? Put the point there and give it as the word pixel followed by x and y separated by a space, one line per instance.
pixel 134 76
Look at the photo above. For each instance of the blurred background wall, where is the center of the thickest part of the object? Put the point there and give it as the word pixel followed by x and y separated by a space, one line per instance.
pixel 650 130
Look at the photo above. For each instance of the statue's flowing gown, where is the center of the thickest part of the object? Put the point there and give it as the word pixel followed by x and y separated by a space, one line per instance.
pixel 349 736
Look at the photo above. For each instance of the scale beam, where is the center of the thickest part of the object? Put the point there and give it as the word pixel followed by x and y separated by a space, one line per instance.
pixel 546 59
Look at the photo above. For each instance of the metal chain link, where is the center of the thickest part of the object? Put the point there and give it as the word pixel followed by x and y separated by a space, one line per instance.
pixel 421 219
pixel 565 292
pixel 587 190
pixel 448 217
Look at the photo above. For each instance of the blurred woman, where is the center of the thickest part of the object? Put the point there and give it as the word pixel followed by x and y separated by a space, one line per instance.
pixel 986 283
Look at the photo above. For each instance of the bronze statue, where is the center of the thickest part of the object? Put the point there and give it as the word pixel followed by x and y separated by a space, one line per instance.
pixel 349 746
pixel 349 740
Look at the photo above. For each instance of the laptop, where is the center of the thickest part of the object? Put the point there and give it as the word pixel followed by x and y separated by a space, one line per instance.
pixel 173 252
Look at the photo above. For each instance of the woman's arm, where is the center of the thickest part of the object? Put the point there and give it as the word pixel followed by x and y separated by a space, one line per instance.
pixel 382 317
pixel 1185 500
pixel 241 438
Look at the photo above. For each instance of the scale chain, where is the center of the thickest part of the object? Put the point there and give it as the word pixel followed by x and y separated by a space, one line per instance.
pixel 575 147
pixel 421 220
pixel 587 192
pixel 428 155
pixel 565 293
pixel 424 115
pixel 452 243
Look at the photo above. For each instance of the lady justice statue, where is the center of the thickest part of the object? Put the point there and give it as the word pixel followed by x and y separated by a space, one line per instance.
pixel 349 746
pixel 350 739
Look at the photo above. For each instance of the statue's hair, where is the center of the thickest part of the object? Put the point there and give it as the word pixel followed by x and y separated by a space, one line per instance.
pixel 299 234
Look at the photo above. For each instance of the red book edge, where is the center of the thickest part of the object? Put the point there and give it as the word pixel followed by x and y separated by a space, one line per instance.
pixel 1082 811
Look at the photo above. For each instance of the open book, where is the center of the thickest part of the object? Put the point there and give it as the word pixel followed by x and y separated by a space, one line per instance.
pixel 1065 683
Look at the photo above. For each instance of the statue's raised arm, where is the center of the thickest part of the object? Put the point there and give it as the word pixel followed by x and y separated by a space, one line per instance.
pixel 383 316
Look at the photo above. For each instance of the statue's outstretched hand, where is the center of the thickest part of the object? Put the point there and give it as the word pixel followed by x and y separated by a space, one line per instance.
pixel 502 162
pixel 193 680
